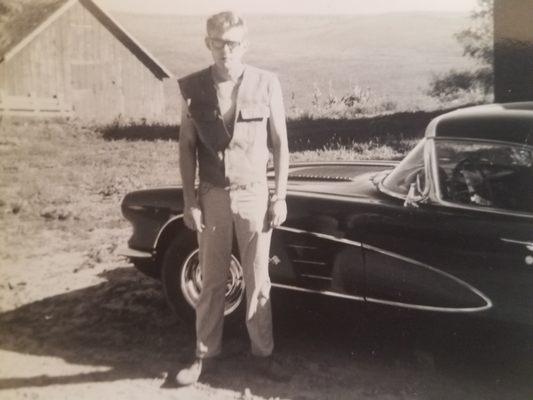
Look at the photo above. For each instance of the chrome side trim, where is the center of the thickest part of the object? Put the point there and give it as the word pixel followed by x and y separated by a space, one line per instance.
pixel 427 308
pixel 321 236
pixel 378 301
pixel 491 210
pixel 299 246
pixel 488 302
pixel 347 198
pixel 176 217
pixel 517 241
pixel 136 207
pixel 308 262
pixel 304 164
pixel 132 253
pixel 324 292
pixel 325 278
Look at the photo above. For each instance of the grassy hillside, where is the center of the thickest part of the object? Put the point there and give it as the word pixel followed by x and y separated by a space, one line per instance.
pixel 392 55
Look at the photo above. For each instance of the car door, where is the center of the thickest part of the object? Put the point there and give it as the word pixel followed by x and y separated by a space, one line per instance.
pixel 450 260
pixel 316 250
pixel 468 249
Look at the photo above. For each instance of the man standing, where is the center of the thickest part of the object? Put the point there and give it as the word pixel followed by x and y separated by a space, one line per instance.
pixel 228 111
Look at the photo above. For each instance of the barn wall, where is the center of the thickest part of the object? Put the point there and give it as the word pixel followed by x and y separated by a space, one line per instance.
pixel 79 58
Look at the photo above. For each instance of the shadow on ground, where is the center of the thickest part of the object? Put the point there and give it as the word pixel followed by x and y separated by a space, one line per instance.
pixel 334 348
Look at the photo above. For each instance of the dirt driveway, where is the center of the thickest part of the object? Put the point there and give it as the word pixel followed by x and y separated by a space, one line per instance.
pixel 90 327
pixel 78 322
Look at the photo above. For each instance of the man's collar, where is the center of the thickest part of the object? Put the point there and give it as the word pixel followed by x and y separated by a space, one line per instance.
pixel 235 79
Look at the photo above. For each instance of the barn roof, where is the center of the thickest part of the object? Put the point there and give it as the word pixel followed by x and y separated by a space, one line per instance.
pixel 21 21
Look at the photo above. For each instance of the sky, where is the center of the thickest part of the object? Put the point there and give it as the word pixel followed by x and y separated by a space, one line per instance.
pixel 206 7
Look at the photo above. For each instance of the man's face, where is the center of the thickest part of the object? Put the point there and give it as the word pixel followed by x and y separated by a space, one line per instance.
pixel 227 46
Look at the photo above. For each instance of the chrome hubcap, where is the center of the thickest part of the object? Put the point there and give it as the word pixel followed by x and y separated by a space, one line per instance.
pixel 191 282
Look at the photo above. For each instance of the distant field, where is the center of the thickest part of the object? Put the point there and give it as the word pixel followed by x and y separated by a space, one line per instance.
pixel 393 55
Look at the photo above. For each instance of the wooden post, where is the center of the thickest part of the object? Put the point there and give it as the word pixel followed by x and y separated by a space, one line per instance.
pixel 513 50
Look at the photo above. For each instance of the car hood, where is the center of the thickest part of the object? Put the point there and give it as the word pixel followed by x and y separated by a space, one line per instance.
pixel 341 179
pixel 351 179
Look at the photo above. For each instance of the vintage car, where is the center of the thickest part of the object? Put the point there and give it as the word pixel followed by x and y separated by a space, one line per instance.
pixel 449 229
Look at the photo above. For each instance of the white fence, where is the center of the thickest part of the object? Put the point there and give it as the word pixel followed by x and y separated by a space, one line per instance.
pixel 33 106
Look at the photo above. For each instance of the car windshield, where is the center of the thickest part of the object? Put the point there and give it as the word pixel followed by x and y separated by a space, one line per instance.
pixel 486 174
pixel 401 178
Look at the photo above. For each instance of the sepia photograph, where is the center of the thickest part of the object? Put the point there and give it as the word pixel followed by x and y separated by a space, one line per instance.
pixel 246 200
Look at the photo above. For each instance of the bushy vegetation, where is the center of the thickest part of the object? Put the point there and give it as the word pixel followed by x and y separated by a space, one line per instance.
pixel 139 131
pixel 354 103
pixel 475 85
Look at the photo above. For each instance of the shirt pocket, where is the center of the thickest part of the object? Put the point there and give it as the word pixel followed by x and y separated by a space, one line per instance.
pixel 254 113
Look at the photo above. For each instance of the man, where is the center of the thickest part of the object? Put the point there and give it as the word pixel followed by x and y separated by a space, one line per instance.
pixel 229 110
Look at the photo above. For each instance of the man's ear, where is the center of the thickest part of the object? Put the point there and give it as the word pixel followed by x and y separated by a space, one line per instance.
pixel 207 42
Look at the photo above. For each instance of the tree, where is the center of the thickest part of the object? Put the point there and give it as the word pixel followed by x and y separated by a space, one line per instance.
pixel 477 44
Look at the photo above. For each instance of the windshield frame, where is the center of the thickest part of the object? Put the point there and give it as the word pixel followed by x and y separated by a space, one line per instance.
pixel 432 181
pixel 425 161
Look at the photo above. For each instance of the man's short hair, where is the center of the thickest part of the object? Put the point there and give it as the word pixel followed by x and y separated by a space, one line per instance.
pixel 223 21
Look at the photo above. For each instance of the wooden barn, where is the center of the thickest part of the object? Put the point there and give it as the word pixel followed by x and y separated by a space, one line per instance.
pixel 70 57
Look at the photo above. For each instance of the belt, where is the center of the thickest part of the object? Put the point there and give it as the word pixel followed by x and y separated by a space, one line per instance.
pixel 235 186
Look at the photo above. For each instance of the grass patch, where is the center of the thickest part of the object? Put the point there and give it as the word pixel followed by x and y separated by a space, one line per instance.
pixel 376 149
pixel 66 177
pixel 62 183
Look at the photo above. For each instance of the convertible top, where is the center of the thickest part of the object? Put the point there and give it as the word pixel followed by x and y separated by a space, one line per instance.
pixel 510 122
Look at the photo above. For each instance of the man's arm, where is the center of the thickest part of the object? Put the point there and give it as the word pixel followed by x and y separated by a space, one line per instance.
pixel 192 214
pixel 280 152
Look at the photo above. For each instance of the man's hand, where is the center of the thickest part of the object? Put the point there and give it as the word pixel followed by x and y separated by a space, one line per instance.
pixel 192 216
pixel 277 212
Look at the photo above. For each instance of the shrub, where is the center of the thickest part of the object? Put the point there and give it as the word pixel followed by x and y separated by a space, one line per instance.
pixel 456 84
pixel 355 103
pixel 138 130
pixel 477 42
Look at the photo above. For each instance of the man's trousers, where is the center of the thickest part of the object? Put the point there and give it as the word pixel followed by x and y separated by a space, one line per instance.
pixel 245 211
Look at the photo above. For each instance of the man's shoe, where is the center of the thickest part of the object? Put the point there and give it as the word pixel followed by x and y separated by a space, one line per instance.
pixel 272 369
pixel 191 374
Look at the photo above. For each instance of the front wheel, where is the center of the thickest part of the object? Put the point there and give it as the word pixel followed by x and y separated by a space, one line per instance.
pixel 182 279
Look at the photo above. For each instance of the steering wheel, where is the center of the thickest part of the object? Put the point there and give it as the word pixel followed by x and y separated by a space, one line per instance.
pixel 469 184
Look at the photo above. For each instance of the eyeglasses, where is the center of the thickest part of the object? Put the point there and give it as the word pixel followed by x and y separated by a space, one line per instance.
pixel 220 43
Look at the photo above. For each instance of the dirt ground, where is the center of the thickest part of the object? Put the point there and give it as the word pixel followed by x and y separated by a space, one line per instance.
pixel 78 321
pixel 91 327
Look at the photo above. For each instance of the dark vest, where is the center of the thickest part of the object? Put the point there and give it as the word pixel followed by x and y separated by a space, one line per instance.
pixel 224 157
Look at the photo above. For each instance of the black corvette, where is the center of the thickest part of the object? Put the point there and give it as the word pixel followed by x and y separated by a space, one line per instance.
pixel 448 229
